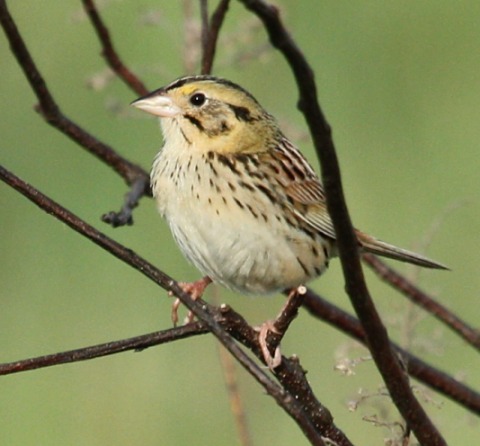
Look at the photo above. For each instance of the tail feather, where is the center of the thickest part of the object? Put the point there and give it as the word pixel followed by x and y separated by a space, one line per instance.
pixel 374 246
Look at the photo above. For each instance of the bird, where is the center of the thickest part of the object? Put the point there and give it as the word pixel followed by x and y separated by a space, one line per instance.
pixel 242 202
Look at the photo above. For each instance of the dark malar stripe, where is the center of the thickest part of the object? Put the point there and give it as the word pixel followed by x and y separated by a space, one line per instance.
pixel 185 137
pixel 195 122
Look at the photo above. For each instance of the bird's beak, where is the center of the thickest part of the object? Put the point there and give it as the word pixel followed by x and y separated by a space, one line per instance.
pixel 158 104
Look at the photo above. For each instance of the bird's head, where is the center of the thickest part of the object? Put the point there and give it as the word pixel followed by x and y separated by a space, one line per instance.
pixel 211 114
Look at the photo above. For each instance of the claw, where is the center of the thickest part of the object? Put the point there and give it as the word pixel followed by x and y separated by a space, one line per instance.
pixel 271 361
pixel 196 290
pixel 286 315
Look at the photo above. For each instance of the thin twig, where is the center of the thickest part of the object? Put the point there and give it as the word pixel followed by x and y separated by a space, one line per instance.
pixel 210 33
pixel 109 348
pixel 317 306
pixel 109 53
pixel 416 367
pixel 347 245
pixel 131 200
pixel 204 20
pixel 416 295
pixel 51 112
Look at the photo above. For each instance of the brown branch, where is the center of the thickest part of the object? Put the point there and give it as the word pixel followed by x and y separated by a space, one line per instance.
pixel 416 295
pixel 121 165
pixel 204 21
pixel 131 173
pixel 109 348
pixel 317 306
pixel 431 377
pixel 376 334
pixel 199 308
pixel 51 112
pixel 109 53
pixel 210 32
pixel 291 375
pixel 286 316
pixel 418 369
pixel 131 200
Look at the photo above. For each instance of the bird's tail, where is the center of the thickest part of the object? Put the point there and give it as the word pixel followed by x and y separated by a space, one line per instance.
pixel 371 244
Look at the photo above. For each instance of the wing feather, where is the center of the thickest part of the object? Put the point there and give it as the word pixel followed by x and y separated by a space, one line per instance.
pixel 304 194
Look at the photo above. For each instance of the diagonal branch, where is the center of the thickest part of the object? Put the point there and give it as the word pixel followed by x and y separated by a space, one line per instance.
pixel 317 306
pixel 292 377
pixel 284 399
pixel 210 32
pixel 133 174
pixel 418 369
pixel 109 53
pixel 416 295
pixel 376 334
pixel 51 112
pixel 138 179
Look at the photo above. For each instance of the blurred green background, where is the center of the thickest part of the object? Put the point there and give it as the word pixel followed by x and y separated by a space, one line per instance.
pixel 399 82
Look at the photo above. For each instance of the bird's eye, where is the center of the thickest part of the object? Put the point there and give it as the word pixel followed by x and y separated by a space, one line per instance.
pixel 198 99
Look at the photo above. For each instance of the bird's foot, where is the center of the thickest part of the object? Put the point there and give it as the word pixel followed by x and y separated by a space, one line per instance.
pixel 196 290
pixel 279 326
pixel 276 359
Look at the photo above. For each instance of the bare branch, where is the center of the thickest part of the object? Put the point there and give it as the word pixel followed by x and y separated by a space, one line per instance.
pixel 417 368
pixel 313 418
pixel 109 348
pixel 210 33
pixel 199 308
pixel 125 215
pixel 109 52
pixel 286 316
pixel 412 292
pixel 291 376
pixel 133 174
pixel 51 112
pixel 317 306
pixel 376 334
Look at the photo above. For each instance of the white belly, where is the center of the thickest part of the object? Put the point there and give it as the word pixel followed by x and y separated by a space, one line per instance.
pixel 251 252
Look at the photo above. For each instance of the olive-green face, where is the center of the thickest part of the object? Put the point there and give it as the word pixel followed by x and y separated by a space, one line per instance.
pixel 211 113
pixel 215 109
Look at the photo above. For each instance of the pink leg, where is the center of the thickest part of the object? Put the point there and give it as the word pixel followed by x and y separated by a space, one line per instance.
pixel 271 361
pixel 274 361
pixel 196 290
